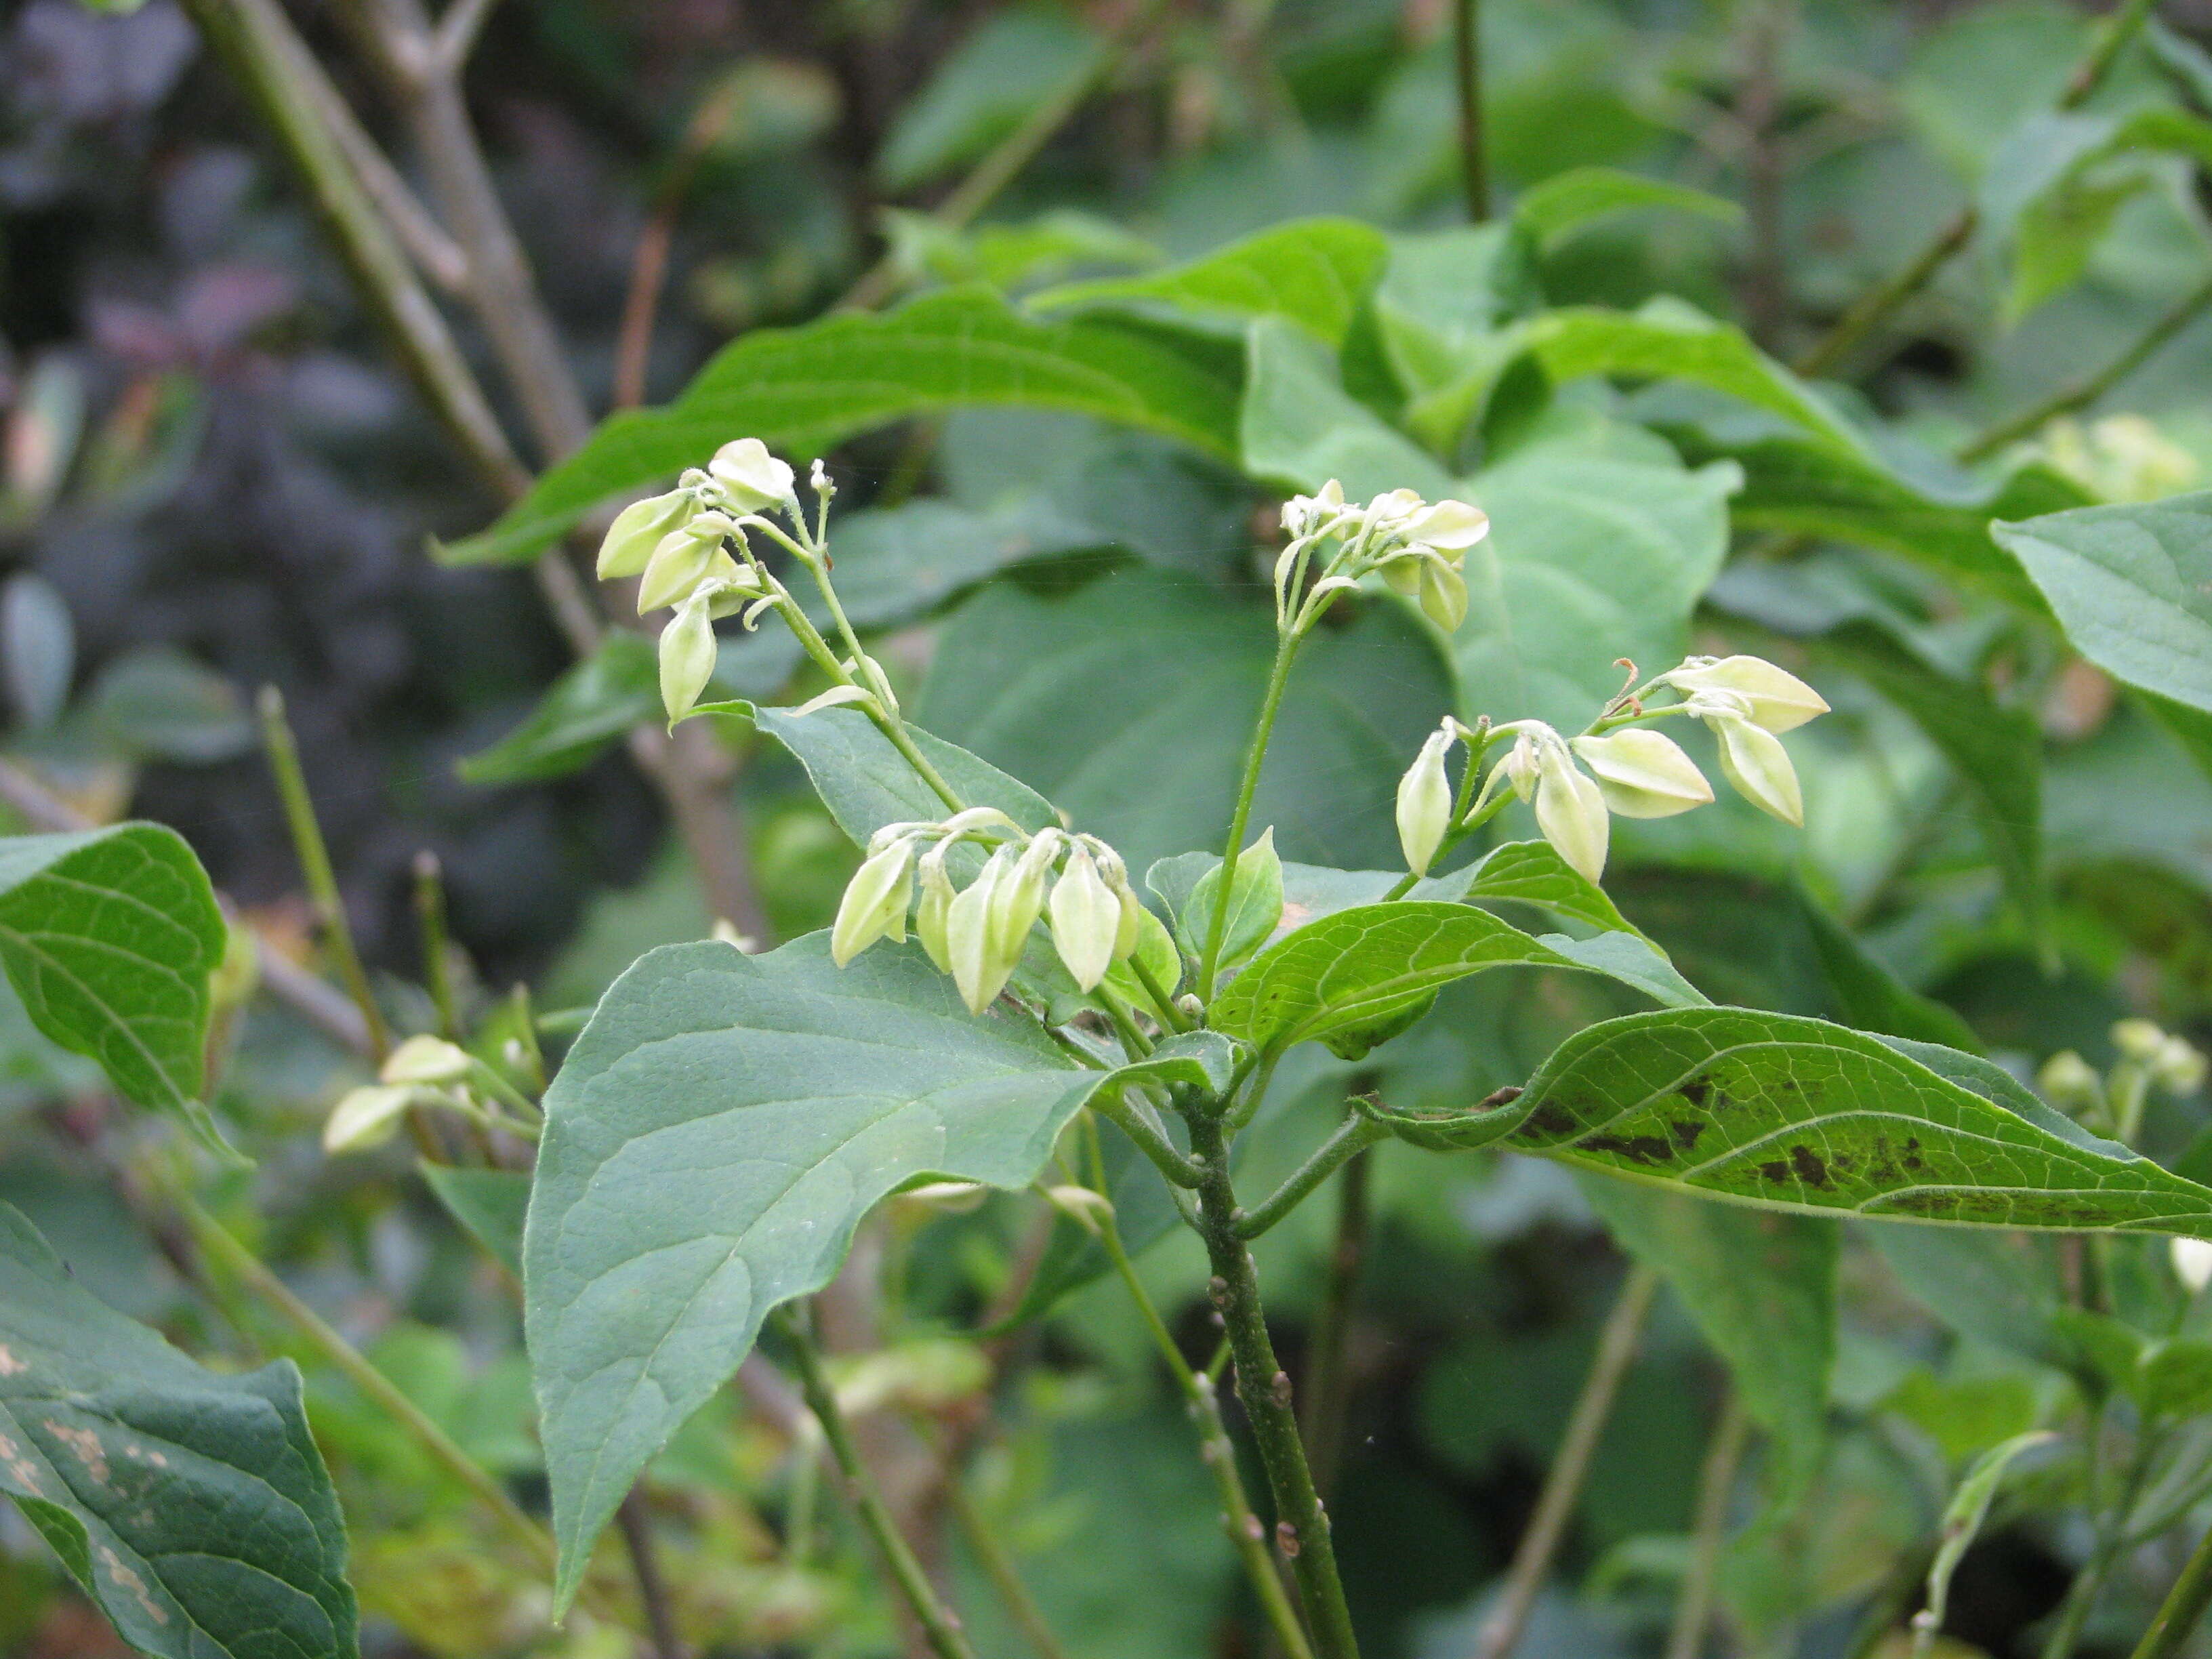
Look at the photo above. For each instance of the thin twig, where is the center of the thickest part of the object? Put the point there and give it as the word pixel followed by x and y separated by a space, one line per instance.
pixel 1758 112
pixel 1328 1381
pixel 457 33
pixel 636 1523
pixel 648 269
pixel 1616 1348
pixel 2183 1608
pixel 1467 85
pixel 437 968
pixel 999 1566
pixel 2090 388
pixel 1716 1486
pixel 436 254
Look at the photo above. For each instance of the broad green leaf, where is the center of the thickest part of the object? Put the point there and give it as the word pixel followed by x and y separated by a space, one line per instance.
pixel 980 91
pixel 1017 679
pixel 2001 1288
pixel 1347 976
pixel 715 1137
pixel 1438 310
pixel 2132 587
pixel 192 1506
pixel 617 687
pixel 1255 904
pixel 490 1204
pixel 803 389
pixel 1797 1113
pixel 1762 1288
pixel 1531 872
pixel 897 564
pixel 1567 202
pixel 1298 428
pixel 154 702
pixel 109 936
pixel 1591 556
pixel 1633 960
pixel 1311 272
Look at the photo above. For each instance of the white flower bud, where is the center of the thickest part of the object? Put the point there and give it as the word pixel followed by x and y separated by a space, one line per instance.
pixel 1778 700
pixel 934 907
pixel 687 657
pixel 637 530
pixel 367 1117
pixel 731 593
pixel 1643 774
pixel 874 905
pixel 1448 526
pixel 1303 514
pixel 1086 920
pixel 1571 811
pixel 755 478
pixel 2070 1083
pixel 979 969
pixel 682 561
pixel 425 1060
pixel 1424 804
pixel 1402 575
pixel 1754 760
pixel 2192 1263
pixel 2137 1039
pixel 1019 900
pixel 1395 508
pixel 2177 1067
pixel 1085 1208
pixel 1443 595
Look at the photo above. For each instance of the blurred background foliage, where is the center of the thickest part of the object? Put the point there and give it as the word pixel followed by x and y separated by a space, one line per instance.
pixel 215 479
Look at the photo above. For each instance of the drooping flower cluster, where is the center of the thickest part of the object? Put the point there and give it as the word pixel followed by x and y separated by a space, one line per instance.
pixel 1418 547
pixel 677 545
pixel 1576 784
pixel 1077 884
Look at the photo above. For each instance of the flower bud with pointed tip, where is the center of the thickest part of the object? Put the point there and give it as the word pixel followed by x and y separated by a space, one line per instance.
pixel 933 909
pixel 1778 700
pixel 1571 811
pixel 1020 898
pixel 874 905
pixel 1443 595
pixel 425 1060
pixel 1450 526
pixel 682 560
pixel 688 648
pixel 1643 774
pixel 1754 760
pixel 2177 1067
pixel 2072 1083
pixel 1424 804
pixel 2192 1263
pixel 755 478
pixel 367 1117
pixel 637 530
pixel 2137 1039
pixel 1520 763
pixel 1086 920
pixel 980 970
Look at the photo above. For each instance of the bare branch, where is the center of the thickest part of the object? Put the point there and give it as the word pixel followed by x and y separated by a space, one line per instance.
pixel 457 31
pixel 438 256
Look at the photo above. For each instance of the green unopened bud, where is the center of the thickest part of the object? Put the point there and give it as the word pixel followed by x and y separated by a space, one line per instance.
pixel 1448 526
pixel 2177 1067
pixel 1571 811
pixel 980 968
pixel 934 907
pixel 874 905
pixel 2137 1039
pixel 732 593
pixel 425 1060
pixel 688 647
pixel 1020 898
pixel 2192 1263
pixel 367 1117
pixel 683 560
pixel 755 478
pixel 1424 804
pixel 1778 700
pixel 1754 760
pixel 1443 595
pixel 2072 1083
pixel 1643 774
pixel 1086 920
pixel 1402 575
pixel 637 530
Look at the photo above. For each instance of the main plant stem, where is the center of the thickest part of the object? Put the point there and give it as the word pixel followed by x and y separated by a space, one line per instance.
pixel 939 1626
pixel 1466 77
pixel 1301 1529
pixel 1286 652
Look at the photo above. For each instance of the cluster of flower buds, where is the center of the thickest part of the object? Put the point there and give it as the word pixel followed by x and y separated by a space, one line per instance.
pixel 1077 883
pixel 2113 1104
pixel 677 545
pixel 1418 547
pixel 425 1072
pixel 1576 784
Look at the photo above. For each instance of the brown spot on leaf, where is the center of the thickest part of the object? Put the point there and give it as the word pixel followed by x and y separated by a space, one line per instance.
pixel 1554 1120
pixel 1686 1131
pixel 1695 1090
pixel 1777 1171
pixel 1637 1149
pixel 1808 1165
pixel 86 1445
pixel 131 1581
pixel 9 1365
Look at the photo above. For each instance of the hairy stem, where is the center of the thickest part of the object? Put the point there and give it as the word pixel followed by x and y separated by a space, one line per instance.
pixel 1286 651
pixel 1301 1527
pixel 1352 1137
pixel 1715 1485
pixel 939 1627
pixel 1326 1385
pixel 2090 388
pixel 1215 1449
pixel 315 855
pixel 1616 1348
pixel 1467 85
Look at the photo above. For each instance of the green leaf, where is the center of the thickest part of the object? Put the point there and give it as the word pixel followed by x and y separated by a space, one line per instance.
pixel 1762 1288
pixel 1017 679
pixel 1963 1516
pixel 1314 273
pixel 155 702
pixel 1797 1113
pixel 489 1204
pixel 1633 960
pixel 898 564
pixel 2000 1288
pixel 1531 872
pixel 1298 428
pixel 1568 202
pixel 2132 587
pixel 109 936
pixel 1438 306
pixel 617 687
pixel 980 91
pixel 802 390
pixel 192 1506
pixel 1347 977
pixel 715 1137
pixel 1256 903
